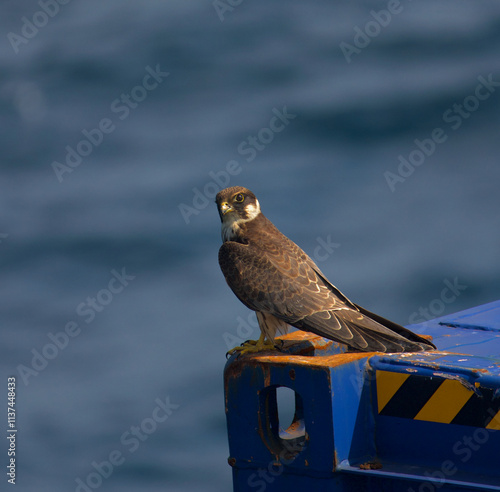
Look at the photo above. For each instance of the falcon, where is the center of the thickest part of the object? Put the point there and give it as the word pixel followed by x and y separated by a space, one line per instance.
pixel 271 275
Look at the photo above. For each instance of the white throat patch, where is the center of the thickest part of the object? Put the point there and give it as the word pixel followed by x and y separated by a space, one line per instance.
pixel 231 222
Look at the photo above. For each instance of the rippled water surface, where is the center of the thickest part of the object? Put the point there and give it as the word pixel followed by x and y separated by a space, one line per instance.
pixel 119 122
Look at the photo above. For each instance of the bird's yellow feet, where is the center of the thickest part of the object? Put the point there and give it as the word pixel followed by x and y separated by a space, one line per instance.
pixel 253 346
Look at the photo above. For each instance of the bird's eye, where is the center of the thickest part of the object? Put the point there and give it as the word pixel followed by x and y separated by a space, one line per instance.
pixel 239 198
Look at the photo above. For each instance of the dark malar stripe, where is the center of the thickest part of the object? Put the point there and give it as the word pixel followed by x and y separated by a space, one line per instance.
pixel 411 397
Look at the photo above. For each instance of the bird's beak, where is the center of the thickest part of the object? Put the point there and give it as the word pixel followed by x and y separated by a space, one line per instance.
pixel 225 208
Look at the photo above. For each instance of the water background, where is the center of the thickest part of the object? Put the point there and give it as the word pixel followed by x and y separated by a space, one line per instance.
pixel 137 203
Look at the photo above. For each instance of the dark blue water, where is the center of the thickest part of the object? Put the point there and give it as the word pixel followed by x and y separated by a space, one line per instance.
pixel 119 121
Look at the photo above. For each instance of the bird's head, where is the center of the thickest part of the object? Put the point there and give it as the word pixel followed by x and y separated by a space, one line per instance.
pixel 236 205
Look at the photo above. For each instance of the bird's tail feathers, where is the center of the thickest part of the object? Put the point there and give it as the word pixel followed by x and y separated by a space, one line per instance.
pixel 360 332
pixel 407 340
pixel 400 330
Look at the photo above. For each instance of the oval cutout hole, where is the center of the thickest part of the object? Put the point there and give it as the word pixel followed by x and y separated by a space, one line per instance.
pixel 285 401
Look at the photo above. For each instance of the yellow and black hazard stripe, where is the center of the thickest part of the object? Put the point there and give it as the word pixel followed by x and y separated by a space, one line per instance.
pixel 435 399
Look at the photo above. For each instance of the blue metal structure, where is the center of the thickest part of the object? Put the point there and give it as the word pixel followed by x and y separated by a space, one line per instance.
pixel 412 422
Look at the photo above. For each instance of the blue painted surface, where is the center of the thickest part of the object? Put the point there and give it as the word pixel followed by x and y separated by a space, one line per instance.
pixel 341 429
pixel 462 330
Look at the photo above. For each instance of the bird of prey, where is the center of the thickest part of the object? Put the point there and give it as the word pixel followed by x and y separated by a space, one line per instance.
pixel 271 275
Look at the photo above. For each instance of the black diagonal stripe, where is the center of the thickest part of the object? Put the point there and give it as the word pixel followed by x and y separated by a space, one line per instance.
pixel 413 394
pixel 479 409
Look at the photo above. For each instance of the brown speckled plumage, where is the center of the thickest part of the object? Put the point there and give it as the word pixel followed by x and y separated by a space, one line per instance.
pixel 271 275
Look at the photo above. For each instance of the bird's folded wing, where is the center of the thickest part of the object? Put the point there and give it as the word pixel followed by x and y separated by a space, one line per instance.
pixel 283 285
pixel 284 282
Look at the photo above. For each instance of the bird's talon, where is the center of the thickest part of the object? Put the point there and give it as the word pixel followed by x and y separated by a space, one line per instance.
pixel 252 347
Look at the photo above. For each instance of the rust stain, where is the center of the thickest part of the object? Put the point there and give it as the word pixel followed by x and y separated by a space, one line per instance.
pixel 267 377
pixel 444 353
pixel 234 369
pixel 427 337
pixel 301 360
pixel 299 335
pixel 315 342
pixel 431 365
pixel 423 358
pixel 236 366
pixel 371 465
pixel 295 426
